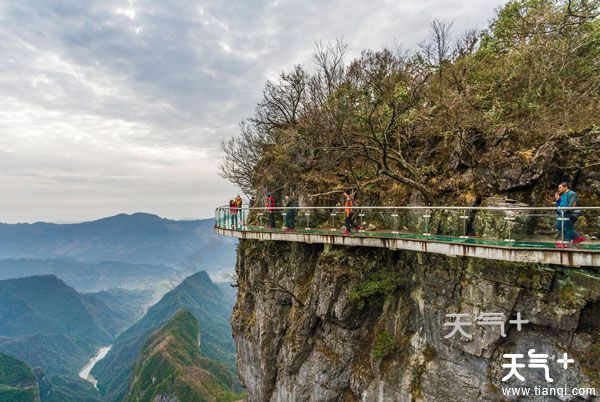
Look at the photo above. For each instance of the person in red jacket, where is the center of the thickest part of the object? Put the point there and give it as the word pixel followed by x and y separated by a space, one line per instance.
pixel 233 212
pixel 270 204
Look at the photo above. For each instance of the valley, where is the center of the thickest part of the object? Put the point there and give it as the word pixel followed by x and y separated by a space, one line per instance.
pixel 79 301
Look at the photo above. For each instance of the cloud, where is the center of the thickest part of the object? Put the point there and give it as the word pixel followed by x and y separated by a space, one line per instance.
pixel 119 105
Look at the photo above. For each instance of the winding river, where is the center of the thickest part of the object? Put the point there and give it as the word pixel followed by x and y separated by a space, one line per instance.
pixel 85 371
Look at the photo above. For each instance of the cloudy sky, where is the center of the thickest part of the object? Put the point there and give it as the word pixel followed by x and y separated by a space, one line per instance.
pixel 110 106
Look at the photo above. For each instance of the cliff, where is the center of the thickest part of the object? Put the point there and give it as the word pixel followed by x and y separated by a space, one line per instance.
pixel 353 324
pixel 500 117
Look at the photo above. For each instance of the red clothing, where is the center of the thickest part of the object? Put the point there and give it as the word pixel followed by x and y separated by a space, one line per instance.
pixel 349 203
pixel 270 203
pixel 233 208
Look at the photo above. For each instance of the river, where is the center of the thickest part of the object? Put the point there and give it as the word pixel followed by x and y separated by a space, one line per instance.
pixel 85 371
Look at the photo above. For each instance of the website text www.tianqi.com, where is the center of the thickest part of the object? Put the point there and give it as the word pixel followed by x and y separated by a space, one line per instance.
pixel 548 391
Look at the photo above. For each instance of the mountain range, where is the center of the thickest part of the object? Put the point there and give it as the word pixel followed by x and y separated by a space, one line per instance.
pixel 90 276
pixel 52 327
pixel 207 303
pixel 68 289
pixel 139 238
pixel 170 367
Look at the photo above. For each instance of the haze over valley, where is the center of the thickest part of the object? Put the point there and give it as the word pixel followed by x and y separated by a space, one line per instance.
pixel 98 290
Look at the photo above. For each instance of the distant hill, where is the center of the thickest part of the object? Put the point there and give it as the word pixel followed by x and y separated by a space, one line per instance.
pixel 51 326
pixel 204 300
pixel 89 276
pixel 127 305
pixel 17 381
pixel 48 324
pixel 139 239
pixel 170 367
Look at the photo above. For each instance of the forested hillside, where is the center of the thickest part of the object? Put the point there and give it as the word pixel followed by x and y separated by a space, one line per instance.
pixel 170 367
pixel 511 111
pixel 209 305
pixel 55 330
pixel 17 381
pixel 50 325
pixel 129 305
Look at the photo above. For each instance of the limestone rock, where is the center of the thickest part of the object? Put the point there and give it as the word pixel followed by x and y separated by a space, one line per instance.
pixel 368 324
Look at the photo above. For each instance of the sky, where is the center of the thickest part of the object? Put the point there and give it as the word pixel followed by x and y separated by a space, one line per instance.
pixel 119 106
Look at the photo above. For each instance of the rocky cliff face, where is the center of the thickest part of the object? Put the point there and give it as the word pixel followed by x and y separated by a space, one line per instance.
pixel 351 324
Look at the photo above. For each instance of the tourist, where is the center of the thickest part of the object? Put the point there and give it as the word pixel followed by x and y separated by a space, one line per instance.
pixel 233 211
pixel 290 213
pixel 349 213
pixel 565 222
pixel 270 204
pixel 238 205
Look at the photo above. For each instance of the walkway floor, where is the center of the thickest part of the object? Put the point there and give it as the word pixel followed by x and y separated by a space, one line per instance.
pixel 525 244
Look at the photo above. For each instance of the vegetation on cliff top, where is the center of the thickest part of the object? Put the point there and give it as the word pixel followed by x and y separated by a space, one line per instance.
pixel 508 111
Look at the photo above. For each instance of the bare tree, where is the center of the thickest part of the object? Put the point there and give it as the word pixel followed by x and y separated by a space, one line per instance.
pixel 282 102
pixel 438 48
pixel 386 87
pixel 329 63
pixel 242 155
pixel 466 44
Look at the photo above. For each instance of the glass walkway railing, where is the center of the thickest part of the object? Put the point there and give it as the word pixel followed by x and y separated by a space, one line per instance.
pixel 522 227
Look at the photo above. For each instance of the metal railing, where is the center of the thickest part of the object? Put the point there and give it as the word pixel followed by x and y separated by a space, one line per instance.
pixel 506 226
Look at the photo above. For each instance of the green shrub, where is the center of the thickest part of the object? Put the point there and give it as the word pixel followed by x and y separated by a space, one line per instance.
pixel 378 285
pixel 385 344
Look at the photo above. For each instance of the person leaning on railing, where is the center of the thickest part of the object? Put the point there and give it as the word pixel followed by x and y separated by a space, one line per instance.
pixel 238 205
pixel 565 222
pixel 291 206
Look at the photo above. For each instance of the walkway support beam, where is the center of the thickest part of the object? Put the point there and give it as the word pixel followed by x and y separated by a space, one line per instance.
pixel 564 257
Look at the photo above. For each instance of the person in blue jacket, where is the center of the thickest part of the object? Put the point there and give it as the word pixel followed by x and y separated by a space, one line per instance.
pixel 565 220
